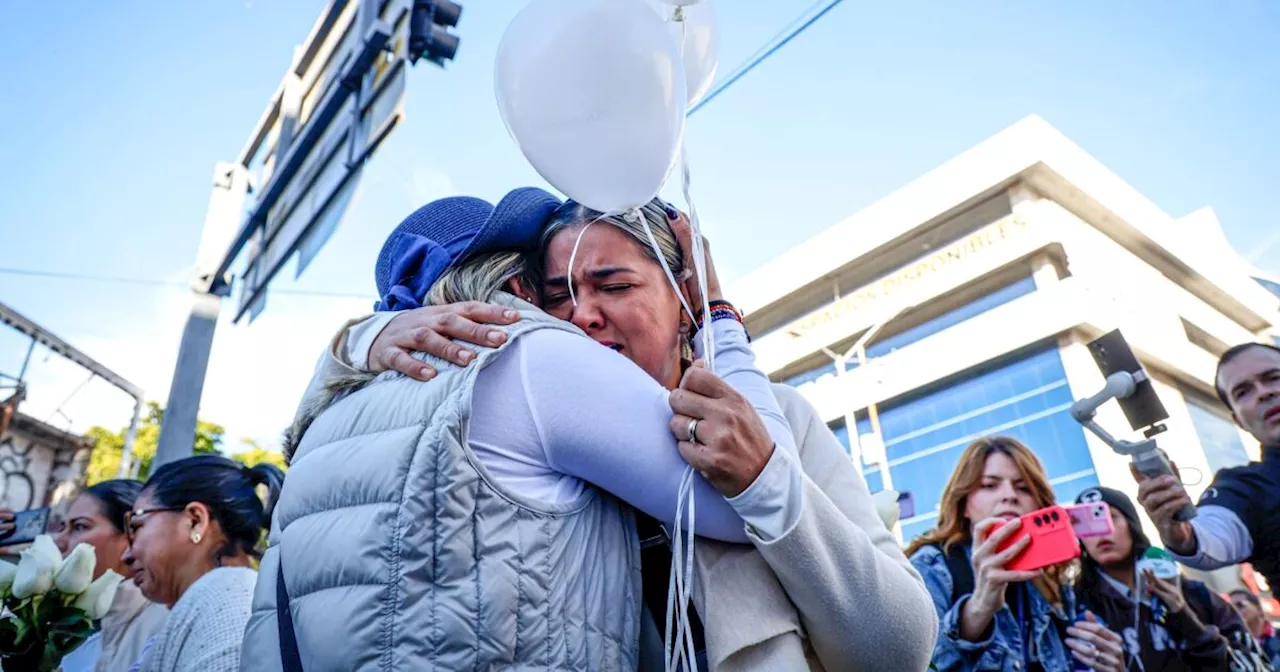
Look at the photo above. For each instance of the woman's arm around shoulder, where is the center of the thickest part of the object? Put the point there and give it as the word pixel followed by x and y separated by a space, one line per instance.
pixel 602 419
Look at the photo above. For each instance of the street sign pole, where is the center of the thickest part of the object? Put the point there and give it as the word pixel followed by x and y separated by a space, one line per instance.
pixel 226 205
pixel 340 98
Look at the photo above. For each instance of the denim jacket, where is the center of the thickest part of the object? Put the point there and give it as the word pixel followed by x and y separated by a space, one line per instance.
pixel 1003 650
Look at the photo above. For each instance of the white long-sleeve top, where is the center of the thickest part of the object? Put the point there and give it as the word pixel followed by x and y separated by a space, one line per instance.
pixel 557 411
pixel 1221 539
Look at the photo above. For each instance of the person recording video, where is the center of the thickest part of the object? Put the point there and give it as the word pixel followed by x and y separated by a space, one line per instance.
pixel 1167 624
pixel 1238 516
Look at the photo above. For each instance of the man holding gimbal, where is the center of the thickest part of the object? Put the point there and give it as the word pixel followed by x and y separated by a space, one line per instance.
pixel 1238 516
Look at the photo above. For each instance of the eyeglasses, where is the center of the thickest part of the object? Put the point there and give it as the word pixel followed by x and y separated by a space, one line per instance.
pixel 131 516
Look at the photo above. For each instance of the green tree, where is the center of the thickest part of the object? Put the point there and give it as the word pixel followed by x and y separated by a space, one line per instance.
pixel 256 454
pixel 104 464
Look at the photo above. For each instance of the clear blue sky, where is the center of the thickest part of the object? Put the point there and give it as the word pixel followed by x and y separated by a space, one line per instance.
pixel 115 112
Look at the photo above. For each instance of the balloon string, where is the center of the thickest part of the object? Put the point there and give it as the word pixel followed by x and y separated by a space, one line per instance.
pixel 662 261
pixel 680 584
pixel 574 255
pixel 680 648
pixel 700 265
pixel 699 252
pixel 634 215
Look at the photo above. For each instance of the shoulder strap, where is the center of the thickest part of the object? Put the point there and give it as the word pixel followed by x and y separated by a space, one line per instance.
pixel 290 658
pixel 961 571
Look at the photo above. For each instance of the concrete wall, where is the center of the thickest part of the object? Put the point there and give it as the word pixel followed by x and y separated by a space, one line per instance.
pixel 40 465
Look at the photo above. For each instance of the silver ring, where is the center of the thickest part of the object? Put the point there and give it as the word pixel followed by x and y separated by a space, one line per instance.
pixel 693 430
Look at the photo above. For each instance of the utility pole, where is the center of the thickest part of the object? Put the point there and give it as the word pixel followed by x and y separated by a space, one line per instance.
pixel 862 452
pixel 226 205
pixel 343 91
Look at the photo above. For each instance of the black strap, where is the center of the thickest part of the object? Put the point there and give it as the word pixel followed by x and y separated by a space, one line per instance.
pixel 655 574
pixel 961 571
pixel 290 658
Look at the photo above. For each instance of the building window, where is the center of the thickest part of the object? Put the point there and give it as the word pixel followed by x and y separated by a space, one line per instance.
pixel 875 482
pixel 1027 398
pixel 1218 434
pixel 928 328
pixel 951 318
pixel 813 374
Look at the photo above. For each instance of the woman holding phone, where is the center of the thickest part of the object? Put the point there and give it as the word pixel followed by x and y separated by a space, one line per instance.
pixel 992 617
pixel 1167 624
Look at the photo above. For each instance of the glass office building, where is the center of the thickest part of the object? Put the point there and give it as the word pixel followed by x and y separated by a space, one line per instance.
pixel 963 306
pixel 1025 396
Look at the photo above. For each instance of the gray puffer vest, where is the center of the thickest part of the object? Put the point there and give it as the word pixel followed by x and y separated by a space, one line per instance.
pixel 400 552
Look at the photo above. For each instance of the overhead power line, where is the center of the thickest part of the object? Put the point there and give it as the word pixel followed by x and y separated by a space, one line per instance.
pixel 791 32
pixel 815 12
pixel 164 284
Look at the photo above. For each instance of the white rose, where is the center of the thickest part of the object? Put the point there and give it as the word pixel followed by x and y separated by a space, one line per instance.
pixel 76 571
pixel 36 568
pixel 96 599
pixel 7 571
pixel 887 507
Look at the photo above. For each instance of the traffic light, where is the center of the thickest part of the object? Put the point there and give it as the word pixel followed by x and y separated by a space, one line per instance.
pixel 429 35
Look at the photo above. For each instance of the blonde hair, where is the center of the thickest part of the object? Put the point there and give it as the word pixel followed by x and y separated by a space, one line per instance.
pixel 955 528
pixel 476 279
pixel 654 212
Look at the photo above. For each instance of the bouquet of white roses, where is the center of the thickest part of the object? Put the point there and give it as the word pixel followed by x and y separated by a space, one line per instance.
pixel 50 604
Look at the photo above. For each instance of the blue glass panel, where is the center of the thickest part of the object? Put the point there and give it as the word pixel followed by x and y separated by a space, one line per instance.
pixel 995 400
pixel 1218 436
pixel 842 433
pixel 1027 399
pixel 919 332
pixel 1067 490
pixel 811 375
pixel 951 318
pixel 1270 286
pixel 914 529
pixel 875 480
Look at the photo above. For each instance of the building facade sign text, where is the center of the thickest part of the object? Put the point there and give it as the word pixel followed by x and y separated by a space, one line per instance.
pixel 910 275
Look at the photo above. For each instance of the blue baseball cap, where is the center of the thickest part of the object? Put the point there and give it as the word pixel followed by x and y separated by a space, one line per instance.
pixel 450 230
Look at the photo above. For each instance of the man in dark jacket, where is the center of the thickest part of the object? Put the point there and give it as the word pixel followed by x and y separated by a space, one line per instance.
pixel 1164 627
pixel 1238 516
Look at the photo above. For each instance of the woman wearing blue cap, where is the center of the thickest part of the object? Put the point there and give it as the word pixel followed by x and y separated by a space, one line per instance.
pixel 554 415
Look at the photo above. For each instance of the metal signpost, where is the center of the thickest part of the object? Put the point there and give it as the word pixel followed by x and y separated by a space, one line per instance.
pixel 340 98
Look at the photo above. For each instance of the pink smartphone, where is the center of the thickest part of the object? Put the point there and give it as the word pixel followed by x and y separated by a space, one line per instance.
pixel 1090 519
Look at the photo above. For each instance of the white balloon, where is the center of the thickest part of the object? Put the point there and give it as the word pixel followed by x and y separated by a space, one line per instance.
pixel 594 94
pixel 699 38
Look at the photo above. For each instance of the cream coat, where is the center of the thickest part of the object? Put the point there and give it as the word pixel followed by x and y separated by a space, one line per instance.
pixel 130 621
pixel 835 592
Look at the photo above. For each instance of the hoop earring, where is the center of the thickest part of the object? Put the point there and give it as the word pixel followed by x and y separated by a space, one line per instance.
pixel 195 537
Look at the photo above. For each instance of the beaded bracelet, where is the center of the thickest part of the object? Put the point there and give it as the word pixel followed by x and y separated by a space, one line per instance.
pixel 722 310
